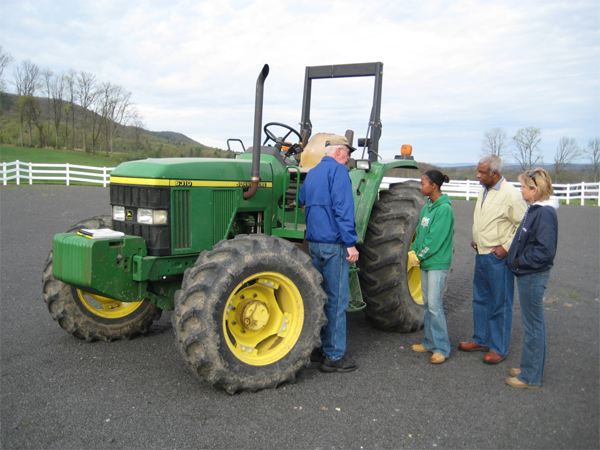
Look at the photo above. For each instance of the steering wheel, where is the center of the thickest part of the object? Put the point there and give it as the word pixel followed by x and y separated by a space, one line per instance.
pixel 271 136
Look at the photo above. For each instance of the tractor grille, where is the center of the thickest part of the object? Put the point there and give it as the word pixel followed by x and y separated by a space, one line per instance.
pixel 181 214
pixel 224 202
pixel 157 237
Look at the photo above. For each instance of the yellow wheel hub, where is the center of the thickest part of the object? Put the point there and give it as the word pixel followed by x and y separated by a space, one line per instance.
pixel 106 307
pixel 263 318
pixel 253 315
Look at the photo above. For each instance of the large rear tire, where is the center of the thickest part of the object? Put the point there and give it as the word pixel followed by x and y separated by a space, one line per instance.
pixel 89 316
pixel 391 291
pixel 249 313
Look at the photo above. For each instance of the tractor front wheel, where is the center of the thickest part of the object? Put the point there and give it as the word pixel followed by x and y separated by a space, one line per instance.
pixel 249 313
pixel 89 316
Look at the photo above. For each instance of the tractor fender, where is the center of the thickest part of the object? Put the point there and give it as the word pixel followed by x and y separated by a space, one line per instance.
pixel 365 189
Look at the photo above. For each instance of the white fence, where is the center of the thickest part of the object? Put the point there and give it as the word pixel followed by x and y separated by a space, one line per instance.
pixel 29 172
pixel 470 189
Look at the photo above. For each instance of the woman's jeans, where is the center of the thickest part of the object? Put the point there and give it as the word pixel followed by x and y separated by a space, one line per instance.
pixel 436 331
pixel 330 260
pixel 531 295
pixel 493 295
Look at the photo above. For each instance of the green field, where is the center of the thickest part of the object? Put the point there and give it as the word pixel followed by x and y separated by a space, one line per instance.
pixel 51 156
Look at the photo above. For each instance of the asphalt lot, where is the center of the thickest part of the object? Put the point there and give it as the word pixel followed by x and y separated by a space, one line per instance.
pixel 60 393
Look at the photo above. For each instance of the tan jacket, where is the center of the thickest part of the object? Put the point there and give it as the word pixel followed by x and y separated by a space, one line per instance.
pixel 497 221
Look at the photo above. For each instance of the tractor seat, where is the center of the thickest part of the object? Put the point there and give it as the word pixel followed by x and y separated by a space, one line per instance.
pixel 314 151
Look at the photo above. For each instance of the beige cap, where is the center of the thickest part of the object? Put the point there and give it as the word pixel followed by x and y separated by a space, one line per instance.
pixel 334 139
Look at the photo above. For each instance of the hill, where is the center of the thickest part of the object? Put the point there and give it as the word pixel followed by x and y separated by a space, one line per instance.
pixel 174 137
pixel 30 122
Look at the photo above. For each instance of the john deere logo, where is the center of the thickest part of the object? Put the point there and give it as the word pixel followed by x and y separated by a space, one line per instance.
pixel 128 214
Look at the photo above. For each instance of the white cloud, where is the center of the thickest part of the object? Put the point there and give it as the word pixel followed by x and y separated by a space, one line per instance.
pixel 452 70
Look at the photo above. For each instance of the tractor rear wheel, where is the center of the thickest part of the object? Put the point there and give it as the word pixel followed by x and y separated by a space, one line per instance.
pixel 249 313
pixel 89 316
pixel 391 291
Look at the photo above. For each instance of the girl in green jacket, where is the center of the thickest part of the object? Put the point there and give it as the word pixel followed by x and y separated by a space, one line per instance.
pixel 432 252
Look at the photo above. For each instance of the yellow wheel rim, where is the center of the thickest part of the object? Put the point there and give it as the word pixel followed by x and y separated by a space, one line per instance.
pixel 414 284
pixel 413 277
pixel 263 318
pixel 106 307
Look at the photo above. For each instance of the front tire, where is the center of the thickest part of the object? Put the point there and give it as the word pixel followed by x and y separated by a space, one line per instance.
pixel 391 291
pixel 89 316
pixel 249 313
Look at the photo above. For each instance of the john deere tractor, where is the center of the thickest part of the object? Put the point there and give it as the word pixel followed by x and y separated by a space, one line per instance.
pixel 221 242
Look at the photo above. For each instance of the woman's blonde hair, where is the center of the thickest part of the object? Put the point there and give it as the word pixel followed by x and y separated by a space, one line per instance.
pixel 540 179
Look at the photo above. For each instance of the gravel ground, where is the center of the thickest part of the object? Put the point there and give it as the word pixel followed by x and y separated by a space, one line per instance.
pixel 60 393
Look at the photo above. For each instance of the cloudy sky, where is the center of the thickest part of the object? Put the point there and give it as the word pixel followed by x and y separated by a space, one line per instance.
pixel 452 69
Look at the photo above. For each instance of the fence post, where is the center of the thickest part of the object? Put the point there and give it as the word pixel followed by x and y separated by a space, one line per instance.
pixel 104 177
pixel 18 172
pixel 30 167
pixel 582 193
pixel 4 173
pixel 67 173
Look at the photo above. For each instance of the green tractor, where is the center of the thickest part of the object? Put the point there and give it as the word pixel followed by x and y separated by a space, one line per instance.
pixel 221 242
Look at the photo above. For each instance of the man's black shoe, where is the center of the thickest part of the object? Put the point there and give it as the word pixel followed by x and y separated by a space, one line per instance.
pixel 317 355
pixel 341 365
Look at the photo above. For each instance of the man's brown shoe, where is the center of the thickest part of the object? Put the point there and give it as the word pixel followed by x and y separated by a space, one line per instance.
pixel 492 357
pixel 516 383
pixel 471 346
pixel 419 349
pixel 514 372
pixel 437 358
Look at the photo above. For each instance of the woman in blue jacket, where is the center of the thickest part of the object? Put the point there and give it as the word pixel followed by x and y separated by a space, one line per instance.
pixel 530 258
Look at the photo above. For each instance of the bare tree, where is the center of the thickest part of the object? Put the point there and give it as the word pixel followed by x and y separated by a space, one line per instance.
pixel 116 110
pixel 138 124
pixel 70 80
pixel 5 60
pixel 566 152
pixel 494 142
pixel 47 80
pixel 593 153
pixel 97 121
pixel 57 90
pixel 86 92
pixel 27 79
pixel 526 143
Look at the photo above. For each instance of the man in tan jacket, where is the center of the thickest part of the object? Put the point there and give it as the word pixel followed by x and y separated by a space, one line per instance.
pixel 498 213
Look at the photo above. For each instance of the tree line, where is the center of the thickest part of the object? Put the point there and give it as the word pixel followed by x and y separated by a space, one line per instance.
pixel 524 149
pixel 78 110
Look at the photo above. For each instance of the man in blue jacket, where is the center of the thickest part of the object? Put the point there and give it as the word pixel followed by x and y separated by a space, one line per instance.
pixel 331 236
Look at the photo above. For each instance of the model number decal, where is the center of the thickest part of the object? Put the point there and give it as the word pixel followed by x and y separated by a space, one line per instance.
pixel 249 184
pixel 218 184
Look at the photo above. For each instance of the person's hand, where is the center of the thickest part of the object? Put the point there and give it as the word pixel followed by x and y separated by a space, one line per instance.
pixel 352 254
pixel 413 261
pixel 499 252
pixel 474 245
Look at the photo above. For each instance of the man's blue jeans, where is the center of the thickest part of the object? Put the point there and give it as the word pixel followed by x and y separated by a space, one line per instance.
pixel 330 260
pixel 531 296
pixel 436 331
pixel 493 295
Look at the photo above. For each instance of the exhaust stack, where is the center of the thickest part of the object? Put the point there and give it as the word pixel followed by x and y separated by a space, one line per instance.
pixel 258 110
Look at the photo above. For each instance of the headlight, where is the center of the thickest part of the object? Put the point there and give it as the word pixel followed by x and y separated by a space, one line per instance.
pixel 363 164
pixel 118 213
pixel 152 216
